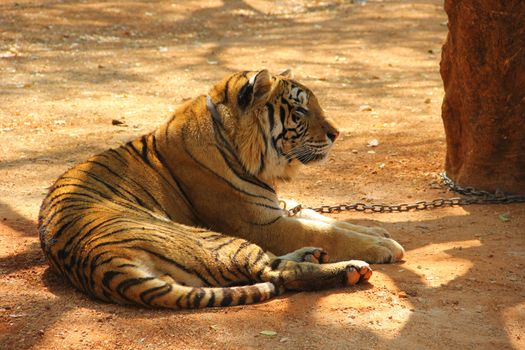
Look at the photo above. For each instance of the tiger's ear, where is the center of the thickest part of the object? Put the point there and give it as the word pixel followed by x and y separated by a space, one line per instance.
pixel 256 91
pixel 287 73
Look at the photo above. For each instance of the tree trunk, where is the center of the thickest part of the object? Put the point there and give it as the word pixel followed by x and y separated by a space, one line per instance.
pixel 483 71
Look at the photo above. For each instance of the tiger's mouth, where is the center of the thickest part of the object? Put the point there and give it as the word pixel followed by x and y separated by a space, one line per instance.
pixel 306 154
pixel 311 158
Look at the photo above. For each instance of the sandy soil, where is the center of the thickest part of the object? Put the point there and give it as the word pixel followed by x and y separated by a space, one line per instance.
pixel 68 68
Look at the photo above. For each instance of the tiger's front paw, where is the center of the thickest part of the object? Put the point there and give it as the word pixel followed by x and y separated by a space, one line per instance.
pixel 372 249
pixel 382 251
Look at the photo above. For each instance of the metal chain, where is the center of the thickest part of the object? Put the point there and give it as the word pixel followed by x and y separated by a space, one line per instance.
pixel 497 197
pixel 471 196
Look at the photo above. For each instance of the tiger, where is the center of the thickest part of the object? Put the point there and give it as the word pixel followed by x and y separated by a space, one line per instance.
pixel 187 216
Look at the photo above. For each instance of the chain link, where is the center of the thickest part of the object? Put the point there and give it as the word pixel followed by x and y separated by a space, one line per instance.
pixel 470 196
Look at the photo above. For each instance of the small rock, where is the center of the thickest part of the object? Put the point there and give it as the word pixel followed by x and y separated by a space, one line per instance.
pixel 402 294
pixel 117 122
pixel 7 54
pixel 12 52
pixel 365 108
pixel 373 143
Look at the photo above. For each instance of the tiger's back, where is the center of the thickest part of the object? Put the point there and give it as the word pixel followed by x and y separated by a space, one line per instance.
pixel 101 220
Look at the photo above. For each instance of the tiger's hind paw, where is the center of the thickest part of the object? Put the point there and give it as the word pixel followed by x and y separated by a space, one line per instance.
pixel 357 271
pixel 308 254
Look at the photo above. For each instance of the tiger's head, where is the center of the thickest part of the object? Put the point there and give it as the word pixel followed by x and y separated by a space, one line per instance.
pixel 275 122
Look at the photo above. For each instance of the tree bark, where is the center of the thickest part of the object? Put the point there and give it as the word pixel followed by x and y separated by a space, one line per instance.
pixel 483 72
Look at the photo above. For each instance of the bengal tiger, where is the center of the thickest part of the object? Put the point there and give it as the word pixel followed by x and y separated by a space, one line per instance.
pixel 183 217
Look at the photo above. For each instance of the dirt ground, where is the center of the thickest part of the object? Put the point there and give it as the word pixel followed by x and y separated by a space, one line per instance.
pixel 68 68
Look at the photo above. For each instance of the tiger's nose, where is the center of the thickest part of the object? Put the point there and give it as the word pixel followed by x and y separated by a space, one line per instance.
pixel 332 135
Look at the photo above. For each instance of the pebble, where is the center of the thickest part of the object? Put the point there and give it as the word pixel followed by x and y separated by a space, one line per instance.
pixel 402 294
pixel 116 122
pixel 373 143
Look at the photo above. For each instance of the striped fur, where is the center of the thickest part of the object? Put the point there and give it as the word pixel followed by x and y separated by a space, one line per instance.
pixel 166 220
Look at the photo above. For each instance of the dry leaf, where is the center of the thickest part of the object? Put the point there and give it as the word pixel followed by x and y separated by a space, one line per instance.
pixel 504 217
pixel 268 333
